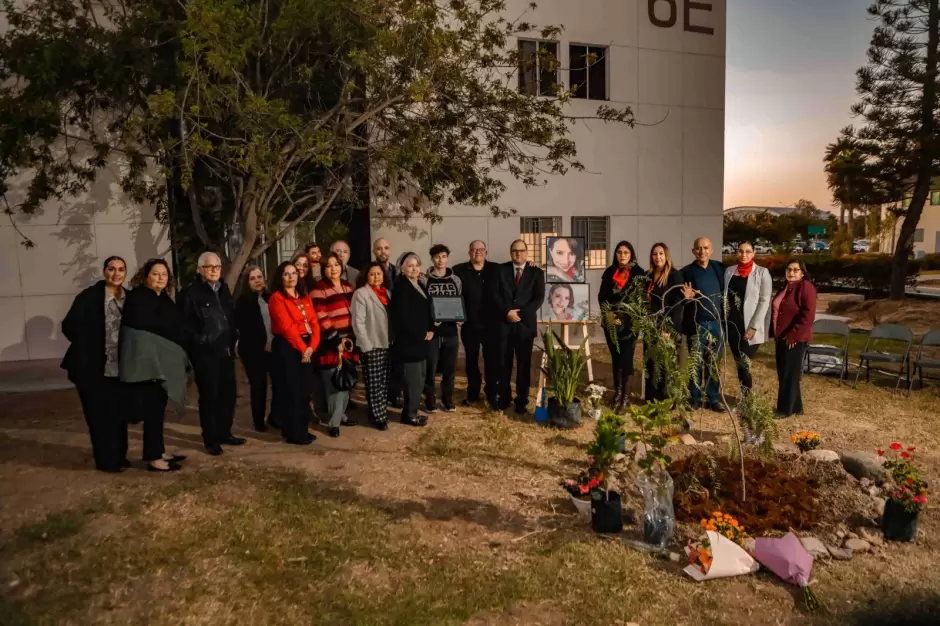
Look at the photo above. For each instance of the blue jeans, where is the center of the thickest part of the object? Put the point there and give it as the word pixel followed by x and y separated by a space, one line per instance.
pixel 711 344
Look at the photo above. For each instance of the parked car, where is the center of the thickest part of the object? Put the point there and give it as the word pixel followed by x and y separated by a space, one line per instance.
pixel 728 249
pixel 860 245
pixel 763 249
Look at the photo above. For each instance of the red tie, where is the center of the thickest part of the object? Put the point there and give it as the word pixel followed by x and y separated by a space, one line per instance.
pixel 518 275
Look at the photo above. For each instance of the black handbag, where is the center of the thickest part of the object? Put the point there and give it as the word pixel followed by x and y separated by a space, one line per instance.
pixel 345 374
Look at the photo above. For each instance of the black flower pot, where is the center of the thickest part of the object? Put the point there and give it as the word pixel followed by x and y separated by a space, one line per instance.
pixel 573 413
pixel 606 513
pixel 898 524
pixel 564 416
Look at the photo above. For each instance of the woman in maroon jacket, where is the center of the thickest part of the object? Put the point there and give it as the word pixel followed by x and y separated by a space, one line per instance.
pixel 794 311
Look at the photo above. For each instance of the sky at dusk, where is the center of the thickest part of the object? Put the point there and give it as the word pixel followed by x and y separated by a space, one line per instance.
pixel 790 83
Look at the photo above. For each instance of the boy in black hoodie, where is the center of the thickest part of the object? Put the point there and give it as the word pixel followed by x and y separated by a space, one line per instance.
pixel 441 281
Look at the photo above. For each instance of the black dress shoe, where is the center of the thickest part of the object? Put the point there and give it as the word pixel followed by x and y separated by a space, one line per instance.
pixel 171 467
pixel 261 428
pixel 234 441
pixel 110 470
pixel 521 410
pixel 125 464
pixel 381 425
pixel 718 407
pixel 176 458
pixel 416 421
pixel 333 431
pixel 350 422
pixel 214 450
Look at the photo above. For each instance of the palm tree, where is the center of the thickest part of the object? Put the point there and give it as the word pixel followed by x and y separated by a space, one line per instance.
pixel 849 177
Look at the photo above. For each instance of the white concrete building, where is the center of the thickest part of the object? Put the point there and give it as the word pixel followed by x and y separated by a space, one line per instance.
pixel 72 239
pixel 927 234
pixel 660 181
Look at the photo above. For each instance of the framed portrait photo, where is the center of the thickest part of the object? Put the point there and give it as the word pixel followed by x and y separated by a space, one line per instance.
pixel 564 259
pixel 566 302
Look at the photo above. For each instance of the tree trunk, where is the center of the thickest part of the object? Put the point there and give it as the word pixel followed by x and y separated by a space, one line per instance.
pixel 925 158
pixel 851 228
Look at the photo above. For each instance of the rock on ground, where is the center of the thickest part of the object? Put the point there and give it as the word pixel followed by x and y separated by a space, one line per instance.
pixel 840 554
pixel 857 545
pixel 879 506
pixel 865 465
pixel 815 547
pixel 871 536
pixel 827 456
pixel 687 439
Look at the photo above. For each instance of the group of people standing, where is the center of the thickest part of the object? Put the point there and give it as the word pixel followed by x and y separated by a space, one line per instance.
pixel 710 305
pixel 320 322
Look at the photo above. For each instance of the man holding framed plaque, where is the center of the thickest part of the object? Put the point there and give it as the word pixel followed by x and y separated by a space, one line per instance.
pixel 444 289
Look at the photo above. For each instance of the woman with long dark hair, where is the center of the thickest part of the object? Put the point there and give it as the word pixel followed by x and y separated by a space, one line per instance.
pixel 253 322
pixel 332 298
pixel 748 291
pixel 93 326
pixel 369 310
pixel 152 358
pixel 615 282
pixel 794 311
pixel 665 295
pixel 296 338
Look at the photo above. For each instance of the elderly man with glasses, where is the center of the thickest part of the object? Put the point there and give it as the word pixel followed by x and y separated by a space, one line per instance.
pixel 480 279
pixel 208 313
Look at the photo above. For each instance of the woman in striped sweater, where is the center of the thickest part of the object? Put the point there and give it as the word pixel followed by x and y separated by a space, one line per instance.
pixel 331 298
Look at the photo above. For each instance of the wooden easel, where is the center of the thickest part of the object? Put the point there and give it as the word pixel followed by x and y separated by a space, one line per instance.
pixel 566 339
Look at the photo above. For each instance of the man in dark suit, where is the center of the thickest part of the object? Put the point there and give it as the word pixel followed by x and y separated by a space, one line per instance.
pixel 520 292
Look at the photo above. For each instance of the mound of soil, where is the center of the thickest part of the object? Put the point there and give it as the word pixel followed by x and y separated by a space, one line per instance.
pixel 779 495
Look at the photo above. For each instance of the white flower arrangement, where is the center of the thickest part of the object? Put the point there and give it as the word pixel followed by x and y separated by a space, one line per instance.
pixel 595 399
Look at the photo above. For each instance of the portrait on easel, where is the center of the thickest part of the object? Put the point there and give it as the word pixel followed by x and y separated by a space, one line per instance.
pixel 564 259
pixel 567 302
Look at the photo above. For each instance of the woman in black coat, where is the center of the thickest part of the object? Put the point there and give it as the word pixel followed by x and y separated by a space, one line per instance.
pixel 412 328
pixel 92 327
pixel 149 308
pixel 615 283
pixel 666 299
pixel 254 341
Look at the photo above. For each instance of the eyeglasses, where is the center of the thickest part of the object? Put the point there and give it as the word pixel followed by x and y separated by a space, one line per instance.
pixel 794 270
pixel 477 249
pixel 289 274
pixel 213 268
pixel 514 250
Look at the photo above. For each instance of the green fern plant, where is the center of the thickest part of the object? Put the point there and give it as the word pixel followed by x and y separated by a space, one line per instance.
pixel 757 417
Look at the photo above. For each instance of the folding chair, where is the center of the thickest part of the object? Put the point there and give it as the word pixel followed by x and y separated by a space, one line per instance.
pixel 835 328
pixel 931 339
pixel 887 332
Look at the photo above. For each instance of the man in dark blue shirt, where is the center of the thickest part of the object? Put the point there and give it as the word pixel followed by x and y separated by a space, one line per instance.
pixel 704 286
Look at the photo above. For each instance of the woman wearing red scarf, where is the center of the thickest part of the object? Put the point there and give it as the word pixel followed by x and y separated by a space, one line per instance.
pixel 369 310
pixel 614 284
pixel 748 290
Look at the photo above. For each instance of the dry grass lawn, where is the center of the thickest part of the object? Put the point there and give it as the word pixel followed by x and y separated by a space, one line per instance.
pixel 461 522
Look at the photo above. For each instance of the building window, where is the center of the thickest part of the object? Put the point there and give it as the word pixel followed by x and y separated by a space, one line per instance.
pixel 588 71
pixel 919 235
pixel 538 67
pixel 533 231
pixel 594 230
pixel 935 198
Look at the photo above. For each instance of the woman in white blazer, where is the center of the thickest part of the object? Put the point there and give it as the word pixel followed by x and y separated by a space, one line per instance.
pixel 748 291
pixel 369 312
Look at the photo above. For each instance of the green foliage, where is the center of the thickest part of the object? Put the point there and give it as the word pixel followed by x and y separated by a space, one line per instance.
pixel 563 367
pixel 241 120
pixel 606 443
pixel 661 341
pixel 655 422
pixel 779 230
pixel 757 416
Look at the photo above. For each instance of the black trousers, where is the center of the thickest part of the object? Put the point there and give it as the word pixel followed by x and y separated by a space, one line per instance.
pixel 149 401
pixel 413 376
pixel 257 365
pixel 292 384
pixel 621 355
pixel 741 348
pixel 104 401
pixel 789 372
pixel 475 341
pixel 518 348
pixel 442 353
pixel 215 380
pixel 655 387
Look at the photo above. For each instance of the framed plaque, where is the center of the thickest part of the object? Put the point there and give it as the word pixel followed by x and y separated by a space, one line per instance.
pixel 448 309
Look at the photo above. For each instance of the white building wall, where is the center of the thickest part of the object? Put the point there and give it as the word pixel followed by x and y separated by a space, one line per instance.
pixel 660 181
pixel 72 239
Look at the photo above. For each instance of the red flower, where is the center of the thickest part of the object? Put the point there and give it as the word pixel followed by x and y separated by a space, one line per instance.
pixel 895 446
pixel 905 455
pixel 583 489
pixel 910 481
pixel 881 452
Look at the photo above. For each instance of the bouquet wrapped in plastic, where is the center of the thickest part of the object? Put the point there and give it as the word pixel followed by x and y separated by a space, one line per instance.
pixel 787 558
pixel 719 554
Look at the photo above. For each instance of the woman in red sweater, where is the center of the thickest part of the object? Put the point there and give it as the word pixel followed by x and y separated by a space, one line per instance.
pixel 296 337
pixel 794 311
pixel 332 297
